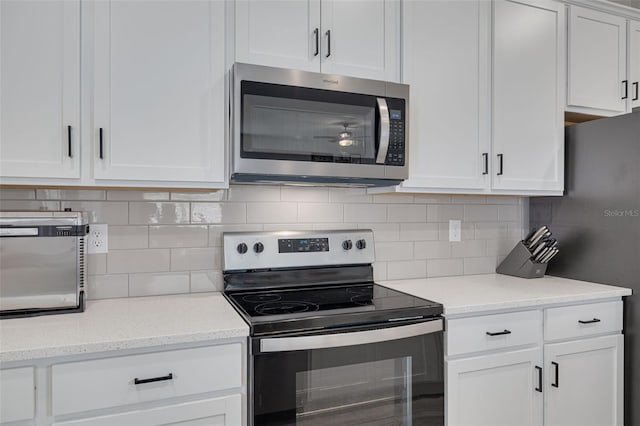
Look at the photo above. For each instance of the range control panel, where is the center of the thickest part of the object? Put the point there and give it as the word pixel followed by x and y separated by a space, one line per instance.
pixel 286 249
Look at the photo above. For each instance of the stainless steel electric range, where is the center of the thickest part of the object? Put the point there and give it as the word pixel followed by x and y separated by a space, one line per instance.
pixel 329 346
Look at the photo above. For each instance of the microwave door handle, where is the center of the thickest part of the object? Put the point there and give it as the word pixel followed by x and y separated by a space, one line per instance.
pixel 385 125
pixel 323 341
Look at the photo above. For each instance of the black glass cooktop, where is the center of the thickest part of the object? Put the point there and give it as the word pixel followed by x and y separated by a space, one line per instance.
pixel 328 307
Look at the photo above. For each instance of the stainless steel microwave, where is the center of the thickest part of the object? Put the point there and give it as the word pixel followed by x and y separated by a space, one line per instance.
pixel 42 263
pixel 299 127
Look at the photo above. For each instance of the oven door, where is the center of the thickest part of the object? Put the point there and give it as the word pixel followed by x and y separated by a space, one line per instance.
pixel 385 376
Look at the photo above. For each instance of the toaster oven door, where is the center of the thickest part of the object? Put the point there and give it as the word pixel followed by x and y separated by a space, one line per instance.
pixel 39 272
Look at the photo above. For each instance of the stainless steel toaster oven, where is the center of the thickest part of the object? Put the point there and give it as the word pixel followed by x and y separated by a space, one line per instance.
pixel 42 262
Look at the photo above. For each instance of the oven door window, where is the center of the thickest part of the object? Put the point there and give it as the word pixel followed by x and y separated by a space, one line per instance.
pixel 302 124
pixel 392 383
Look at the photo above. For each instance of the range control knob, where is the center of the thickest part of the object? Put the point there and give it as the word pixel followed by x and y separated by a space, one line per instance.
pixel 258 247
pixel 347 244
pixel 361 244
pixel 242 248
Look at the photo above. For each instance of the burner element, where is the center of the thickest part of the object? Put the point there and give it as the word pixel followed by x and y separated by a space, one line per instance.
pixel 285 307
pixel 362 299
pixel 262 298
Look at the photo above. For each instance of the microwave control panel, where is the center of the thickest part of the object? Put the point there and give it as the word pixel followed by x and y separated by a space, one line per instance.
pixel 396 152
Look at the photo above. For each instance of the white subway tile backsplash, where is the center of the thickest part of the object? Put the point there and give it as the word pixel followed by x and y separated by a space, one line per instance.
pixel 218 213
pixel 29 205
pixel 202 281
pixel 272 212
pixel 143 260
pixel 469 199
pixel 190 259
pixel 158 284
pixel 444 267
pixel 128 237
pixel 165 242
pixel 480 265
pixel 508 213
pixel 310 195
pixel 17 194
pixel 320 212
pixel 154 213
pixel 107 286
pixel 163 236
pixel 96 264
pixel 393 199
pixel 432 250
pixel 349 195
pixel 491 231
pixel 365 213
pixel 444 212
pixel 418 231
pixel 198 196
pixel 382 231
pixel 479 213
pixel 394 251
pixel 109 212
pixel 406 213
pixel 215 231
pixel 70 194
pixel 469 248
pixel 406 269
pixel 253 193
pixel 137 196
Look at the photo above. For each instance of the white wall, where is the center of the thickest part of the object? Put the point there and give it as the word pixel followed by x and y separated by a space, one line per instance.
pixel 169 242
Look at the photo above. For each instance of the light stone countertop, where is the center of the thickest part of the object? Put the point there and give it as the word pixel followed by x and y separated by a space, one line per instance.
pixel 472 294
pixel 118 324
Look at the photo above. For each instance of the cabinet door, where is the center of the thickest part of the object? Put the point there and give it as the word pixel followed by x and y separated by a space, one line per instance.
pixel 278 33
pixel 634 67
pixel 361 38
pixel 495 390
pixel 159 101
pixel 528 93
pixel 597 62
pixel 584 382
pixel 446 63
pixel 225 411
pixel 40 89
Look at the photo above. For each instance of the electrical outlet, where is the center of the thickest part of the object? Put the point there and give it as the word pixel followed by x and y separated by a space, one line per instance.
pixel 455 230
pixel 98 238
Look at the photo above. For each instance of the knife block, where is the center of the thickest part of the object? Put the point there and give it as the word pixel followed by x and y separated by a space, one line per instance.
pixel 519 263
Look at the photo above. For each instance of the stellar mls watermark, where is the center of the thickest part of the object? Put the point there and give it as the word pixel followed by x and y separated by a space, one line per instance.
pixel 621 213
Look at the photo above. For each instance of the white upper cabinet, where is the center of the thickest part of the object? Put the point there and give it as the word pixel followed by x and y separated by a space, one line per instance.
pixel 528 93
pixel 445 54
pixel 282 34
pixel 634 63
pixel 39 89
pixel 361 38
pixel 597 62
pixel 159 92
pixel 355 38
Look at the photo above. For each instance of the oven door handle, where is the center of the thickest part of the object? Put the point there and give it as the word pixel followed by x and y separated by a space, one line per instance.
pixel 324 341
pixel 385 126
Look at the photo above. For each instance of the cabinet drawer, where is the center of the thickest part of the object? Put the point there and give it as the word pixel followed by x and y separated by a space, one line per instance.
pixel 17 396
pixel 582 320
pixel 110 382
pixel 493 332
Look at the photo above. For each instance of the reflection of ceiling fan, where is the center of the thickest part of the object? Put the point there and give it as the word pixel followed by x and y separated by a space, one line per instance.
pixel 345 137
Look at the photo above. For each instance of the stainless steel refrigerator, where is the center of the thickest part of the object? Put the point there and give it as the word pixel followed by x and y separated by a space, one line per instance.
pixel 597 222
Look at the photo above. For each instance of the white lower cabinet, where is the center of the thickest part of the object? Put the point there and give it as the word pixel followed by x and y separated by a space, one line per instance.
pixel 559 366
pixel 17 394
pixel 201 385
pixel 225 411
pixel 584 382
pixel 501 389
